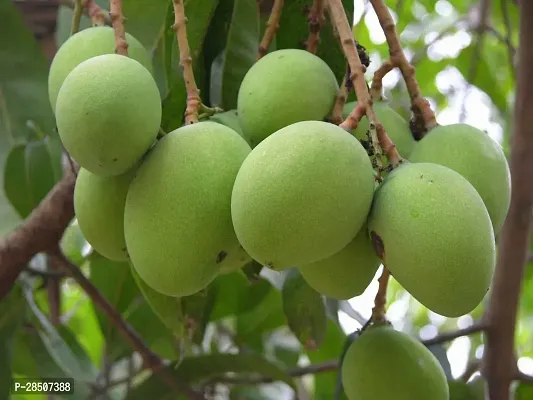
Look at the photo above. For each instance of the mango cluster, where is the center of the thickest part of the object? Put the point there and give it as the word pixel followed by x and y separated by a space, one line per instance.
pixel 273 181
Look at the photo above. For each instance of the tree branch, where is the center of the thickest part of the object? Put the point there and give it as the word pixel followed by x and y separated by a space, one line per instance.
pixel 327 366
pixel 448 336
pixel 193 94
pixel 271 28
pixel 315 21
pixel 499 360
pixel 117 20
pixel 380 140
pixel 423 115
pixel 41 231
pixel 150 359
pixel 525 378
pixel 340 101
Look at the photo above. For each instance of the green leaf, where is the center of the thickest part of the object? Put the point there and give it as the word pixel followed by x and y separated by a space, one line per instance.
pixel 240 52
pixel 116 283
pixel 197 309
pixel 440 353
pixel 331 349
pixel 23 93
pixel 260 312
pixel 523 392
pixel 305 310
pixel 167 308
pixel 293 32
pixel 229 288
pixel 144 20
pixel 65 351
pixel 32 359
pixel 31 170
pixel 23 78
pixel 175 100
pixel 12 310
pixel 483 78
pixel 197 370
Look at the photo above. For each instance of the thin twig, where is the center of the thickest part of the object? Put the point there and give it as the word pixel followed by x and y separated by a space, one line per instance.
pixel 380 139
pixel 53 286
pixel 471 368
pixel 380 302
pixel 76 17
pixel 508 35
pixel 327 366
pixel 513 242
pixel 423 115
pixel 97 15
pixel 448 336
pixel 340 101
pixel 117 20
pixel 315 21
pixel 150 359
pixel 480 31
pixel 193 94
pixel 271 28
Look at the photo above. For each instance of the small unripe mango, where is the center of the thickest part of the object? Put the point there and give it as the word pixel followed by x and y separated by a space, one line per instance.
pixel 284 87
pixel 345 274
pixel 85 44
pixel 99 208
pixel 396 127
pixel 385 364
pixel 302 194
pixel 108 113
pixel 177 219
pixel 476 156
pixel 433 232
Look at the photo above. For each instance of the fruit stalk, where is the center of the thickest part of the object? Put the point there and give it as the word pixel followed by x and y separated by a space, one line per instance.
pixel 271 28
pixel 377 80
pixel 150 359
pixel 96 14
pixel 193 94
pixel 380 302
pixel 117 21
pixel 76 17
pixel 421 108
pixel 336 114
pixel 499 365
pixel 315 20
pixel 380 139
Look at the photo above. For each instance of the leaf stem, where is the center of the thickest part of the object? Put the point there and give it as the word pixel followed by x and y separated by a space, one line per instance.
pixel 193 94
pixel 117 20
pixel 271 28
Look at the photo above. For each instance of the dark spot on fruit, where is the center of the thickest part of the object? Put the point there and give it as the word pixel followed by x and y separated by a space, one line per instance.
pixel 270 264
pixel 377 243
pixel 115 159
pixel 221 256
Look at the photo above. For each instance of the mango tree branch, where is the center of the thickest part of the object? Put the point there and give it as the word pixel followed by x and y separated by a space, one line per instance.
pixel 380 139
pixel 340 101
pixel 150 359
pixel 499 360
pixel 315 21
pixel 423 115
pixel 117 20
pixel 193 94
pixel 40 232
pixel 271 28
pixel 448 336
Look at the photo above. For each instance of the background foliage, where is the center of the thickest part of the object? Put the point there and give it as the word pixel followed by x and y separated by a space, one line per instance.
pixel 242 323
